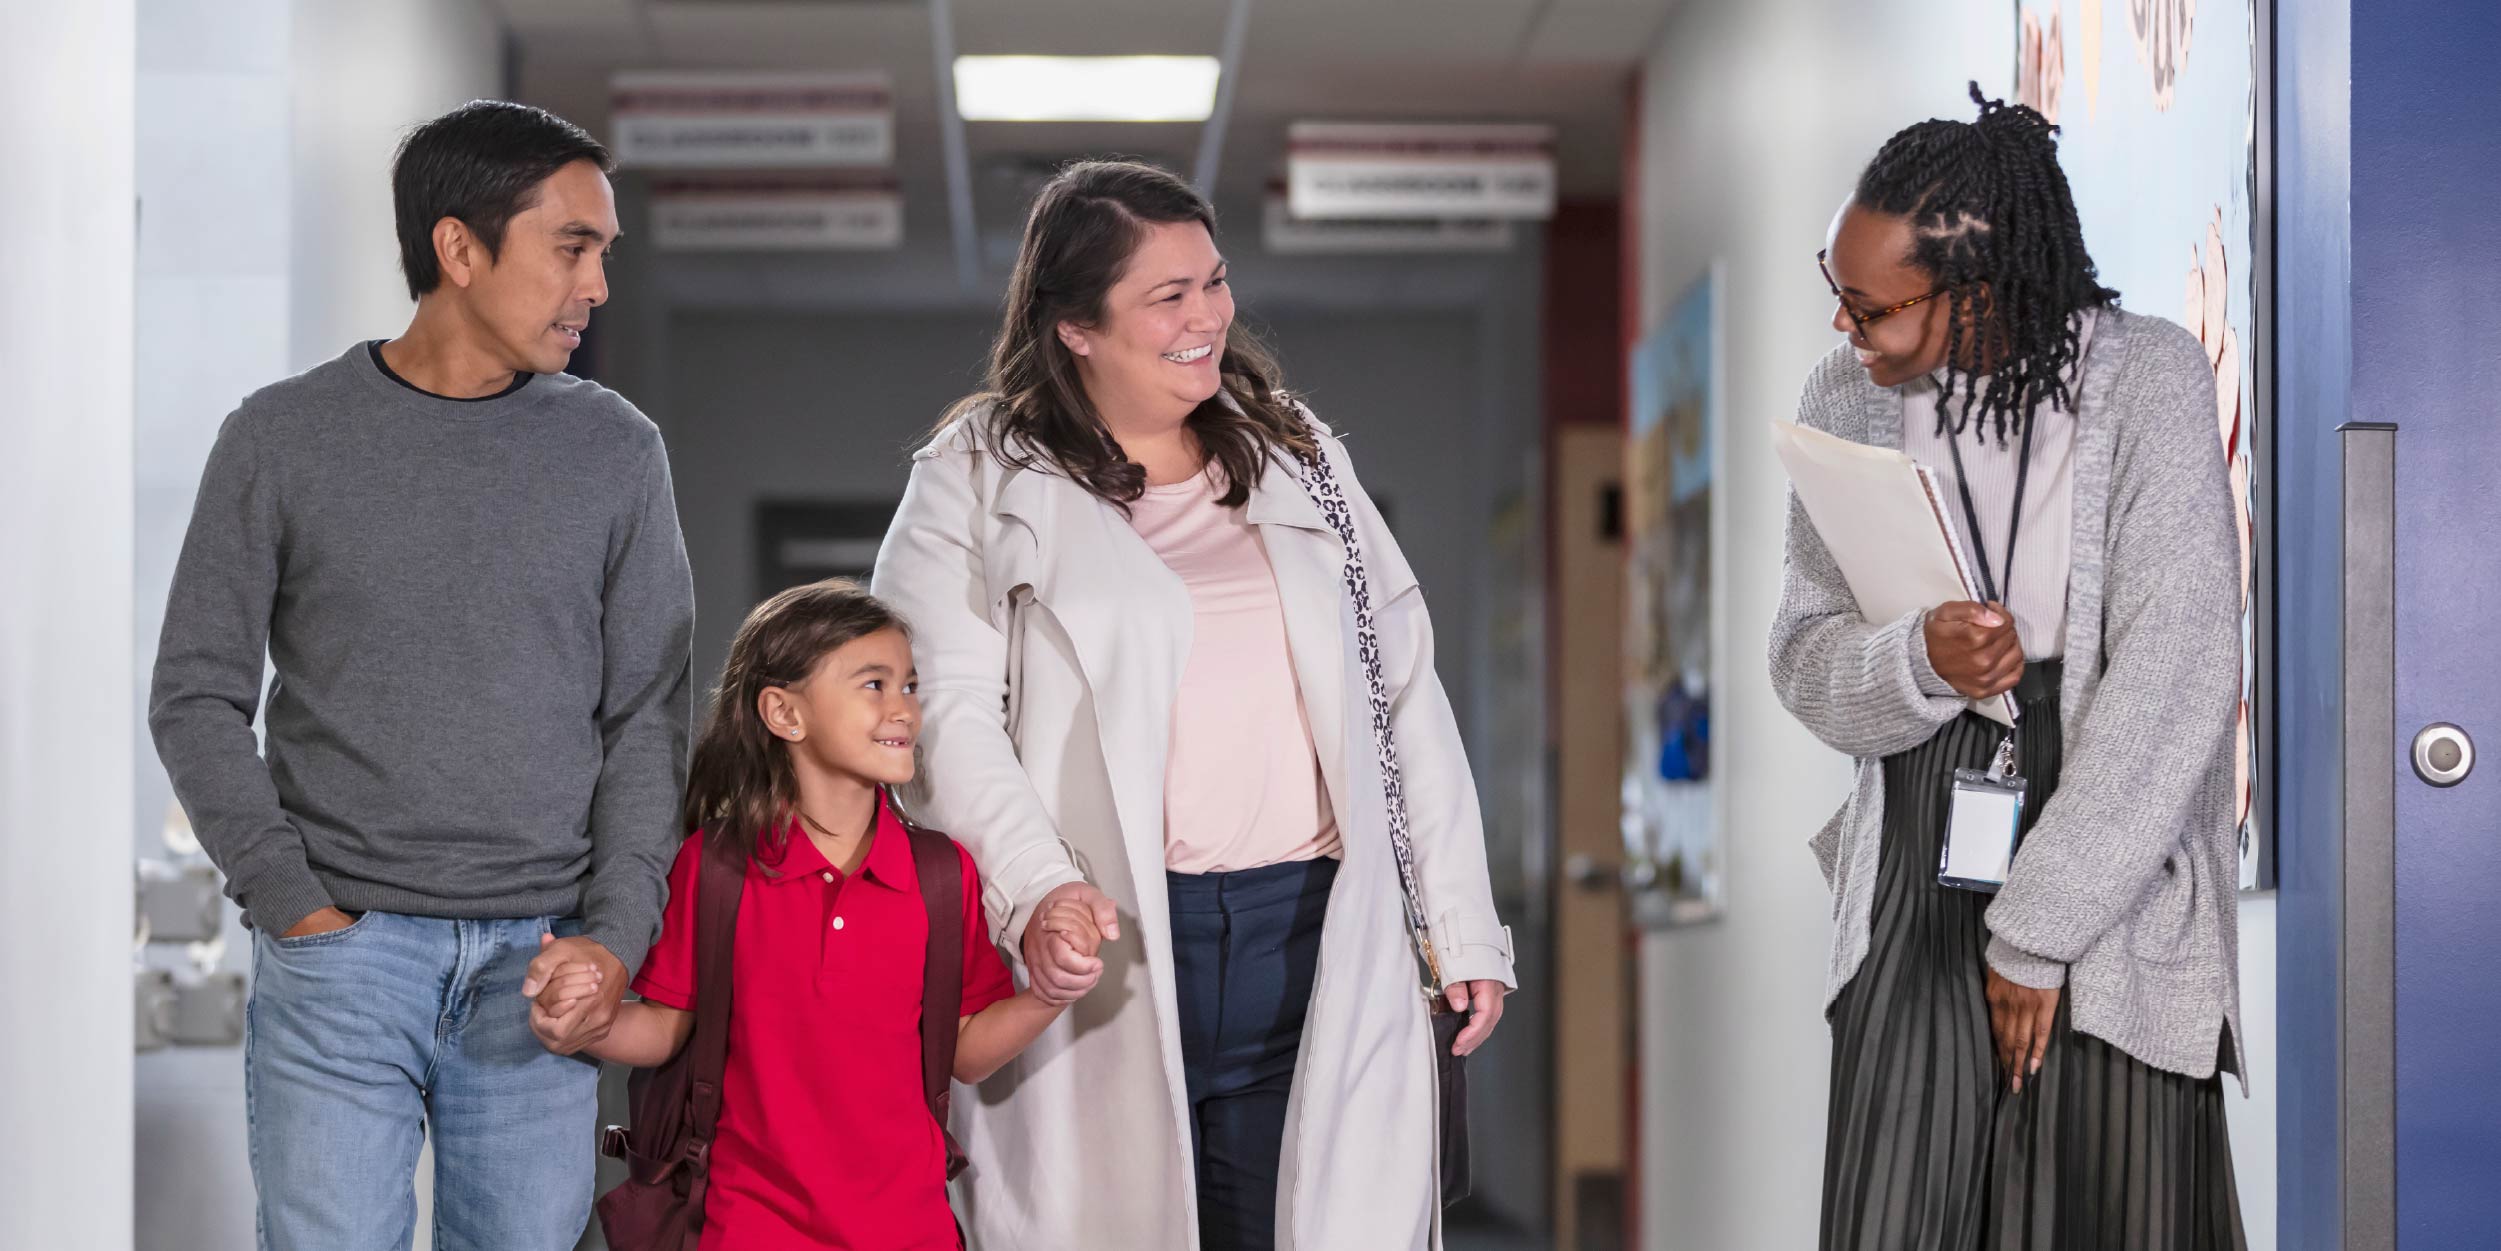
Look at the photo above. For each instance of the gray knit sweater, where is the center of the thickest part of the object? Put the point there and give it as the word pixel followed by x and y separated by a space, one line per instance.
pixel 2126 889
pixel 479 612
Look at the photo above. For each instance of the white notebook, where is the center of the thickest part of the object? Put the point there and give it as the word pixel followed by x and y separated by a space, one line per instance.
pixel 1883 518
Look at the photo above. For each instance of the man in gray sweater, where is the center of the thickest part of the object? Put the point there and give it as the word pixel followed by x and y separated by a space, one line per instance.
pixel 466 569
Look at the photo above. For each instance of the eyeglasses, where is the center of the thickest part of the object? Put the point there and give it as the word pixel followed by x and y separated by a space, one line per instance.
pixel 1864 320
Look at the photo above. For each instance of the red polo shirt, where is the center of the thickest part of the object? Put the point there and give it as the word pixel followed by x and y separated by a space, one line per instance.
pixel 824 1140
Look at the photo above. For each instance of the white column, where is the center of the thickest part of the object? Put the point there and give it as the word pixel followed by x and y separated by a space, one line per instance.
pixel 67 735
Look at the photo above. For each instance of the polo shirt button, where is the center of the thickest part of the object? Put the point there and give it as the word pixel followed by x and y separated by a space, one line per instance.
pixel 837 922
pixel 829 876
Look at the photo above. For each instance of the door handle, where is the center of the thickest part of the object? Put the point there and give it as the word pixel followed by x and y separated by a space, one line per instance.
pixel 2443 754
pixel 2363 879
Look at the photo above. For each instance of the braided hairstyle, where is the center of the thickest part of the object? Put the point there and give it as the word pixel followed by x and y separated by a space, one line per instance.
pixel 1994 222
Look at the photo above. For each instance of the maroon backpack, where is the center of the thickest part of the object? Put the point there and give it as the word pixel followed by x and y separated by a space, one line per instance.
pixel 676 1107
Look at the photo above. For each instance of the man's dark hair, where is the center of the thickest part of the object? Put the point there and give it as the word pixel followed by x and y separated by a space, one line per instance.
pixel 1989 207
pixel 481 163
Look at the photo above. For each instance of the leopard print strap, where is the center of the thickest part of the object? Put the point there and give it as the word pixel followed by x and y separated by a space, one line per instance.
pixel 1321 482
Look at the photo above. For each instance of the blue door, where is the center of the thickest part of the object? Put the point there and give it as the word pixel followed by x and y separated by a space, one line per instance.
pixel 2386 518
pixel 2427 358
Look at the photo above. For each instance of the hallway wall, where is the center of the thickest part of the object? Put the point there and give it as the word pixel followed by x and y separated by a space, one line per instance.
pixel 213 297
pixel 1756 117
pixel 360 75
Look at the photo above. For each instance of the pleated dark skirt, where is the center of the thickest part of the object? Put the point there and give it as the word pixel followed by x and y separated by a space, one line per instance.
pixel 1925 1149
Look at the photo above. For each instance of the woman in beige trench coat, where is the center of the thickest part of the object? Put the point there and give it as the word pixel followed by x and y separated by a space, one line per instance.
pixel 1054 643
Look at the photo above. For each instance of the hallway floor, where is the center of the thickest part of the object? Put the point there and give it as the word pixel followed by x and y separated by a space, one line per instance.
pixel 1469 1232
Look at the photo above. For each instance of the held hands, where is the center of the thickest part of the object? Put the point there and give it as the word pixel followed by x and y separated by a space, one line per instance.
pixel 2019 1019
pixel 564 998
pixel 1061 945
pixel 1975 649
pixel 575 985
pixel 1062 940
pixel 1071 940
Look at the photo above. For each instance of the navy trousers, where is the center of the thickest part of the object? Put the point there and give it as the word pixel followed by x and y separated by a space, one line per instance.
pixel 1244 948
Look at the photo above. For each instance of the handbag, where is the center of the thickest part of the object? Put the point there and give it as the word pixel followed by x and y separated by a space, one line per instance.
pixel 1450 1071
pixel 675 1109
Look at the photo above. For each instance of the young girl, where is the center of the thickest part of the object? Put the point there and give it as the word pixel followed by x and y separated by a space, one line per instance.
pixel 824 1139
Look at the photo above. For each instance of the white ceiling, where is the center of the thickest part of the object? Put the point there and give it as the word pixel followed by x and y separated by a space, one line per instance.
pixel 1561 61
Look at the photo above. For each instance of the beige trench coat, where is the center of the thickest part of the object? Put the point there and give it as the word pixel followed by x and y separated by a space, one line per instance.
pixel 1050 640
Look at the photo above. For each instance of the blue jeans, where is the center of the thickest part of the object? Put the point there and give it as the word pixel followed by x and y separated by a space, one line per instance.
pixel 359 1039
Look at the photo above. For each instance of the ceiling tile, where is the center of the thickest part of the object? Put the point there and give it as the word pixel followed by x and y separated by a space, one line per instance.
pixel 1389 34
pixel 577 31
pixel 531 14
pixel 1457 60
pixel 792 36
pixel 1612 36
pixel 1093 28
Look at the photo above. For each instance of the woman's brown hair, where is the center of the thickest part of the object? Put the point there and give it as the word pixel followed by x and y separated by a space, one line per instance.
pixel 739 784
pixel 1084 227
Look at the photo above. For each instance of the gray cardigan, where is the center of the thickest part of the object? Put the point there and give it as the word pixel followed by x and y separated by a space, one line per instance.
pixel 2126 890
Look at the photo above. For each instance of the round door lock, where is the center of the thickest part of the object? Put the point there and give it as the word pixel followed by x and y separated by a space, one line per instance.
pixel 2443 754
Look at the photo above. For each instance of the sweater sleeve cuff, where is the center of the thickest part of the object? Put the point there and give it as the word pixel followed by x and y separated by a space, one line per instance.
pixel 2023 968
pixel 276 897
pixel 627 941
pixel 1922 671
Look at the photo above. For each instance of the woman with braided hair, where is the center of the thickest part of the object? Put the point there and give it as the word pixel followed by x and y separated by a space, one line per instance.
pixel 2029 1057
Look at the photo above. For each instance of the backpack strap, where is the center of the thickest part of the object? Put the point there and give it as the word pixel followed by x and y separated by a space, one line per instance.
pixel 720 882
pixel 941 871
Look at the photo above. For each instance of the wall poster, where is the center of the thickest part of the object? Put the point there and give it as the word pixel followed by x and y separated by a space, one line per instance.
pixel 1671 813
pixel 2156 103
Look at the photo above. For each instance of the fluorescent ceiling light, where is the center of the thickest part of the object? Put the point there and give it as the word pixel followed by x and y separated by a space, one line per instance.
pixel 1085 88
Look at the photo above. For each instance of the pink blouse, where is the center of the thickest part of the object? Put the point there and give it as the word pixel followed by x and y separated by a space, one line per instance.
pixel 1242 787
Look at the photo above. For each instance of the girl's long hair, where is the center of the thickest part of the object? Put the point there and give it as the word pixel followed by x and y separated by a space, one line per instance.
pixel 739 783
pixel 1085 225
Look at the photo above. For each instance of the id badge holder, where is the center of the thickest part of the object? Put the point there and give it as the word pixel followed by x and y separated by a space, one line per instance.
pixel 1982 825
